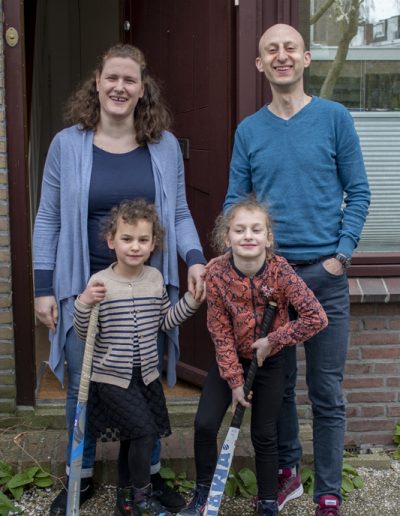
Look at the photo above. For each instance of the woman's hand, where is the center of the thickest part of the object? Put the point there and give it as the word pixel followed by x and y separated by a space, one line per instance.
pixel 263 350
pixel 239 397
pixel 46 311
pixel 93 293
pixel 196 284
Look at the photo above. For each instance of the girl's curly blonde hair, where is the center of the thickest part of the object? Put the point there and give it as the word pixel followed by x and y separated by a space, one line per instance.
pixel 224 219
pixel 131 211
pixel 151 115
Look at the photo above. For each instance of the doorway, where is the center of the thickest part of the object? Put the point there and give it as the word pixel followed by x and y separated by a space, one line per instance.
pixel 189 46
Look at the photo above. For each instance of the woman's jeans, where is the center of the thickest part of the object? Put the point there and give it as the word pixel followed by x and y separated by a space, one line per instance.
pixel 325 361
pixel 74 349
pixel 215 399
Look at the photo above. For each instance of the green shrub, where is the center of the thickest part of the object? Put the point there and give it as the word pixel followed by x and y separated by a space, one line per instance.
pixel 350 480
pixel 14 484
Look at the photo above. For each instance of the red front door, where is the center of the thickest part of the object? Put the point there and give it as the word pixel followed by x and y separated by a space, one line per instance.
pixel 189 46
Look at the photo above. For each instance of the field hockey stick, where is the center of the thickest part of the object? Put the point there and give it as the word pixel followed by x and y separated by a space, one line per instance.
pixel 78 440
pixel 228 448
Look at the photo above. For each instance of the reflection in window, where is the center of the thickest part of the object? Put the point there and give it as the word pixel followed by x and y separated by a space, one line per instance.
pixel 355 49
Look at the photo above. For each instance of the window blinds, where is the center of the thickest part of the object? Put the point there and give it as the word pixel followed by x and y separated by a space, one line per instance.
pixel 379 134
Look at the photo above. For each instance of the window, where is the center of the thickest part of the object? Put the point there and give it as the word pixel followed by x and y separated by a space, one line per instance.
pixel 355 50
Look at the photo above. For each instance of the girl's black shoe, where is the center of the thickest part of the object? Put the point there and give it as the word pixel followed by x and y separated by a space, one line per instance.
pixel 124 505
pixel 168 497
pixel 145 504
pixel 59 504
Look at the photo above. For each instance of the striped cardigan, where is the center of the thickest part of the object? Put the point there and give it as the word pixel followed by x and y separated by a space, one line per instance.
pixel 130 316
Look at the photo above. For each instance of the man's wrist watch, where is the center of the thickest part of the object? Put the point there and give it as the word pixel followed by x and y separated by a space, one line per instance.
pixel 344 260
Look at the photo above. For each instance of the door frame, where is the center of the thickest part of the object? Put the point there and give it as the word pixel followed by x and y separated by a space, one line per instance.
pixel 20 227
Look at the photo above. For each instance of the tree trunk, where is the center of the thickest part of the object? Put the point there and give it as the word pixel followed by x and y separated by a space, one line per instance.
pixel 349 31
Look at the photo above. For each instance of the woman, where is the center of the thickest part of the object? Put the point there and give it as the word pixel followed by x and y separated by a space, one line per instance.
pixel 118 148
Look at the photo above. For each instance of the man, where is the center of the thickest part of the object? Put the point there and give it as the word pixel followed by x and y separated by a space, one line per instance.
pixel 301 155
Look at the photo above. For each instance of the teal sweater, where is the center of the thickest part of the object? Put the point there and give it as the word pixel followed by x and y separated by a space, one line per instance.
pixel 310 171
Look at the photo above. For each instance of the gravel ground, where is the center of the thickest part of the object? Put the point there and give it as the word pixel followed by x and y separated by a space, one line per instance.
pixel 380 496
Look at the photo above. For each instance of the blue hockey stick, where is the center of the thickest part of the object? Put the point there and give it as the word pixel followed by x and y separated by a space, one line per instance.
pixel 78 441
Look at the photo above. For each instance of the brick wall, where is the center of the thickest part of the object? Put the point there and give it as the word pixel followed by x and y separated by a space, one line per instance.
pixel 7 371
pixel 372 377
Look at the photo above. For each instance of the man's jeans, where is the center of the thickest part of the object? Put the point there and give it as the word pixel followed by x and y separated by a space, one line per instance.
pixel 325 361
pixel 74 349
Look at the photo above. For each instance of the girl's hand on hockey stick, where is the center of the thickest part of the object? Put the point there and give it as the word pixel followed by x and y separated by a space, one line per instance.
pixel 93 293
pixel 263 350
pixel 239 397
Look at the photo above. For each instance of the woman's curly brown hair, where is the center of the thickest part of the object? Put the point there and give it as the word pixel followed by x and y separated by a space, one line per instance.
pixel 151 115
pixel 224 219
pixel 131 211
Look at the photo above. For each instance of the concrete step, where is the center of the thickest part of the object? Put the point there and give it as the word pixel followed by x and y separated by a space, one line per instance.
pixel 47 447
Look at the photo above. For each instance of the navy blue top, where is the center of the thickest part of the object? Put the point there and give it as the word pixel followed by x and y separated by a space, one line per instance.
pixel 114 178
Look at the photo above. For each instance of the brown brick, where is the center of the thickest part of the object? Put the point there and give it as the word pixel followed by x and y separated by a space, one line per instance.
pixel 394 324
pixel 365 425
pixel 361 310
pixel 5 317
pixel 5 255
pixel 373 411
pixel 5 286
pixel 372 353
pixel 358 368
pixel 6 363
pixel 5 301
pixel 353 353
pixel 375 323
pixel 373 438
pixel 6 333
pixel 6 348
pixel 7 379
pixel 378 338
pixel 4 240
pixel 3 194
pixel 393 411
pixel 7 391
pixel 362 383
pixel 355 324
pixel 352 411
pixel 3 164
pixel 387 368
pixel 393 382
pixel 388 309
pixel 371 397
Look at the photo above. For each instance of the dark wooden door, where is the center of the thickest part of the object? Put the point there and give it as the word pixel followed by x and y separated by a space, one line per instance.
pixel 189 46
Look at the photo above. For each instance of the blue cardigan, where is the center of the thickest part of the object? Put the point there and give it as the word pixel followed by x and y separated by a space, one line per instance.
pixel 60 240
pixel 301 168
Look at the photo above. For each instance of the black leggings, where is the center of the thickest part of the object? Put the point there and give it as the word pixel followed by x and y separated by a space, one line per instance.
pixel 134 461
pixel 266 403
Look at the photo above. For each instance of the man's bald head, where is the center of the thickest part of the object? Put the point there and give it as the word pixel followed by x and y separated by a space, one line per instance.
pixel 278 32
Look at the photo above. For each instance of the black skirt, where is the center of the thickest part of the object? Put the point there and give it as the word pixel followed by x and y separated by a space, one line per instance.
pixel 115 413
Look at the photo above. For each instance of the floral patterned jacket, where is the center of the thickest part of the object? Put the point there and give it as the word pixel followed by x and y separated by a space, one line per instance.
pixel 236 305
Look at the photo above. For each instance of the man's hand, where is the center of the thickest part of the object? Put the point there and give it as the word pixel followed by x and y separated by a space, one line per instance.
pixel 239 397
pixel 196 284
pixel 93 293
pixel 263 350
pixel 46 311
pixel 333 266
